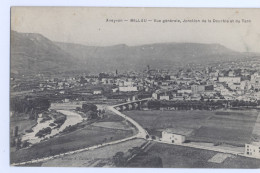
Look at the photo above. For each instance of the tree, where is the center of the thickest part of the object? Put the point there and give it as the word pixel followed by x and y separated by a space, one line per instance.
pixel 119 159
pixel 153 104
pixel 25 144
pixel 78 109
pixel 89 107
pixel 93 115
pixel 18 143
pixel 41 104
pixel 13 143
pixel 16 131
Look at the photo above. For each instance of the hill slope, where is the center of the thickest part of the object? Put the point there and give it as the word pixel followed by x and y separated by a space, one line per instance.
pixel 163 55
pixel 33 53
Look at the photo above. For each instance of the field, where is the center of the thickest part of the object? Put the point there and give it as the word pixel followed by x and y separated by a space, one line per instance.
pixel 98 157
pixel 184 157
pixel 114 125
pixel 81 138
pixel 231 127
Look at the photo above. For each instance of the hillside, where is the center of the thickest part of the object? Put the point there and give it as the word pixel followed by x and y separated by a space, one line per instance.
pixel 33 53
pixel 163 55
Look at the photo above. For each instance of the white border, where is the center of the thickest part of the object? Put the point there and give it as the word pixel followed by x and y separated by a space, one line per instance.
pixel 4 70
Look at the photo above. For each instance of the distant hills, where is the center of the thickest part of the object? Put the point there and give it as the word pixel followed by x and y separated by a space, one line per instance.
pixel 33 53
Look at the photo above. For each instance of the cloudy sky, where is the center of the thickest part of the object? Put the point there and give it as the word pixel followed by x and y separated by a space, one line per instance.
pixel 89 26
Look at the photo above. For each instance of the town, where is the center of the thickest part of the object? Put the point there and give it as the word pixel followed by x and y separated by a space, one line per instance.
pixel 230 81
pixel 134 88
pixel 211 87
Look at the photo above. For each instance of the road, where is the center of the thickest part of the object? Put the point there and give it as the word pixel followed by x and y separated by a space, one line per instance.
pixel 142 133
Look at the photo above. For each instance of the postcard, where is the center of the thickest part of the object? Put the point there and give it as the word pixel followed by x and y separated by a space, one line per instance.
pixel 135 87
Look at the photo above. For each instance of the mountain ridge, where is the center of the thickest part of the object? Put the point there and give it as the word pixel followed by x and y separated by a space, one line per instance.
pixel 33 53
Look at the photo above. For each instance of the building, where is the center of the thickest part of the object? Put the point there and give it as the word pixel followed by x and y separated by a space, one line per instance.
pixel 197 89
pixel 132 98
pixel 128 88
pixel 253 149
pixel 255 80
pixel 184 91
pixel 164 97
pixel 155 95
pixel 114 90
pixel 231 74
pixel 168 136
pixel 229 79
pixel 66 100
pixel 97 92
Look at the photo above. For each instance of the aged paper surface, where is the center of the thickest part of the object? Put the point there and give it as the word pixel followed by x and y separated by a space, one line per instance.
pixel 135 87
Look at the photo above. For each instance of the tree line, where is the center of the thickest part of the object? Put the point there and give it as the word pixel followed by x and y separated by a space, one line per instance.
pixel 199 104
pixel 29 105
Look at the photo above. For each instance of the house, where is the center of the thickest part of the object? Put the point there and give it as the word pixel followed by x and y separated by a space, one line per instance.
pixel 97 92
pixel 132 98
pixel 184 91
pixel 231 74
pixel 62 92
pixel 66 100
pixel 197 89
pixel 114 90
pixel 155 95
pixel 168 136
pixel 253 149
pixel 164 97
pixel 128 89
pixel 229 79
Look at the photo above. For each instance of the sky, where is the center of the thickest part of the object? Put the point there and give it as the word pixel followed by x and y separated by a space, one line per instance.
pixel 89 26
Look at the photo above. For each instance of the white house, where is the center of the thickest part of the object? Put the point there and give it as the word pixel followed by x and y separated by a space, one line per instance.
pixel 114 90
pixel 66 100
pixel 128 89
pixel 97 92
pixel 168 136
pixel 229 79
pixel 253 149
pixel 164 97
pixel 155 95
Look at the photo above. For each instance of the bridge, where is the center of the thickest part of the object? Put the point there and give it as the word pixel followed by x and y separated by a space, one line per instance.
pixel 136 104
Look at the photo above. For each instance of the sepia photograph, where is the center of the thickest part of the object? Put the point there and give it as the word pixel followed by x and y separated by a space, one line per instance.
pixel 135 87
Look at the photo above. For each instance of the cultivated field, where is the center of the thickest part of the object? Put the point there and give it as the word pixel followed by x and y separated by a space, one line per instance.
pixel 98 157
pixel 231 127
pixel 114 125
pixel 184 157
pixel 87 136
